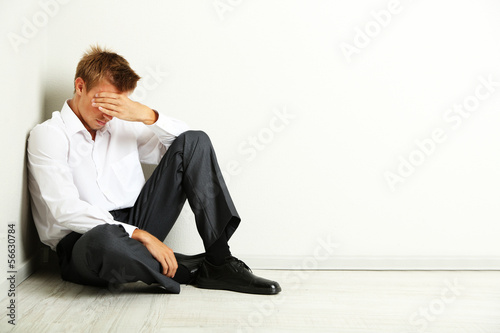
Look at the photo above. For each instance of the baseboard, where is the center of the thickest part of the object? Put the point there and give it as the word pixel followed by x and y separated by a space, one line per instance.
pixel 22 273
pixel 373 262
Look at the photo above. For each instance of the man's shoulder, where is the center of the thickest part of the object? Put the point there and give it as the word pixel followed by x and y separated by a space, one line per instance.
pixel 51 130
pixel 55 121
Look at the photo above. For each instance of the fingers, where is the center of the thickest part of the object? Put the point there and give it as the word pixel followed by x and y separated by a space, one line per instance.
pixel 164 264
pixel 114 105
pixel 161 252
pixel 175 265
pixel 122 107
pixel 109 113
pixel 172 264
pixel 169 265
pixel 108 106
pixel 172 267
pixel 107 95
pixel 107 100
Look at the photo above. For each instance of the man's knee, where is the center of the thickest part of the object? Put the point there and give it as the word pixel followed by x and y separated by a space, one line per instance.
pixel 101 239
pixel 200 137
pixel 96 252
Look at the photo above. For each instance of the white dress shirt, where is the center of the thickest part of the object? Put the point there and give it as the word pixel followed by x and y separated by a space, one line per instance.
pixel 75 181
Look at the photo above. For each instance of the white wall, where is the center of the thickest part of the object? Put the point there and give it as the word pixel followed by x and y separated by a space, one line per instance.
pixel 320 175
pixel 22 108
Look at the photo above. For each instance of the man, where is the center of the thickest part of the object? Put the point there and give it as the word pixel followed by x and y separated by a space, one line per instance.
pixel 91 202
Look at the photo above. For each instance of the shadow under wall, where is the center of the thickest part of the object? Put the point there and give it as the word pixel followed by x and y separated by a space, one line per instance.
pixel 54 96
pixel 29 241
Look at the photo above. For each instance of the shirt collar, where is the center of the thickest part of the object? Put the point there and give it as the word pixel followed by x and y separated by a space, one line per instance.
pixel 73 123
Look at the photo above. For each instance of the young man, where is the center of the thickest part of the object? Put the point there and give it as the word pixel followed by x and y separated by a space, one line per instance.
pixel 91 202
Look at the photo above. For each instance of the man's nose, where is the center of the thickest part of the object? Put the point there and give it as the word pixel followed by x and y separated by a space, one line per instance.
pixel 108 117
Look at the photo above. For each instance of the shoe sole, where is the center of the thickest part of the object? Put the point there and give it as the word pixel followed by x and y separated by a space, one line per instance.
pixel 210 284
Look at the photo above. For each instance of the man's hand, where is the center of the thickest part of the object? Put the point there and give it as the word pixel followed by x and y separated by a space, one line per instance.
pixel 122 107
pixel 158 250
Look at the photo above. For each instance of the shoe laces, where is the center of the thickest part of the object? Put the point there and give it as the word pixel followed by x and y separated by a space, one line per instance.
pixel 240 263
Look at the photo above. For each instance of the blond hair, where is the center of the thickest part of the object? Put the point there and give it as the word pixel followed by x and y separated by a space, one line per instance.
pixel 98 63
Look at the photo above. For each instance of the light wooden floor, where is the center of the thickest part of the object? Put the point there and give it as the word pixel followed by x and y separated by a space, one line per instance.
pixel 311 301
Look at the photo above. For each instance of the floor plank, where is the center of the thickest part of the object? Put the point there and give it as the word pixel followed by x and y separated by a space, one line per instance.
pixel 319 301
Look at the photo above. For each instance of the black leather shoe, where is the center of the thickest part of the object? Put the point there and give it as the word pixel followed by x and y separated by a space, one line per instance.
pixel 234 275
pixel 192 263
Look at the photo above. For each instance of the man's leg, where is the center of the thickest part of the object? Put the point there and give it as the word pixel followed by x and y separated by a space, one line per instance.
pixel 189 170
pixel 107 255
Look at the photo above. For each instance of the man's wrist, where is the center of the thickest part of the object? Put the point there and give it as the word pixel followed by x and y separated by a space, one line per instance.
pixel 139 235
pixel 152 117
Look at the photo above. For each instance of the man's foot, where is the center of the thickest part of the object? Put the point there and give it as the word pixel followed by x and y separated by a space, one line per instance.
pixel 191 265
pixel 234 275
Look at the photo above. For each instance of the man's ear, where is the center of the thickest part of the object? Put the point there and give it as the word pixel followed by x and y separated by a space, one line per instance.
pixel 79 86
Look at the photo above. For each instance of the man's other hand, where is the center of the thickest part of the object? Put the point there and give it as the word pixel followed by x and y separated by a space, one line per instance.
pixel 122 107
pixel 158 250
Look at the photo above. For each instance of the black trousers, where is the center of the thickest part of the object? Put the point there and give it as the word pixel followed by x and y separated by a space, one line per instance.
pixel 107 255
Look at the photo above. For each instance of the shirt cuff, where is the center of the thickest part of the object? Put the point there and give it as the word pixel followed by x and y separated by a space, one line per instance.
pixel 167 127
pixel 129 228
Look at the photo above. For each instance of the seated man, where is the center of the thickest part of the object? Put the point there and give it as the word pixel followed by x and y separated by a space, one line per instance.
pixel 92 205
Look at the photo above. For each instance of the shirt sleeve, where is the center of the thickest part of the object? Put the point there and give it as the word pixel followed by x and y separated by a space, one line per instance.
pixel 167 128
pixel 154 140
pixel 53 188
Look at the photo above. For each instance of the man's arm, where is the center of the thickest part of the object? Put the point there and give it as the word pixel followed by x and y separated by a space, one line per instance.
pixel 122 107
pixel 153 139
pixel 52 183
